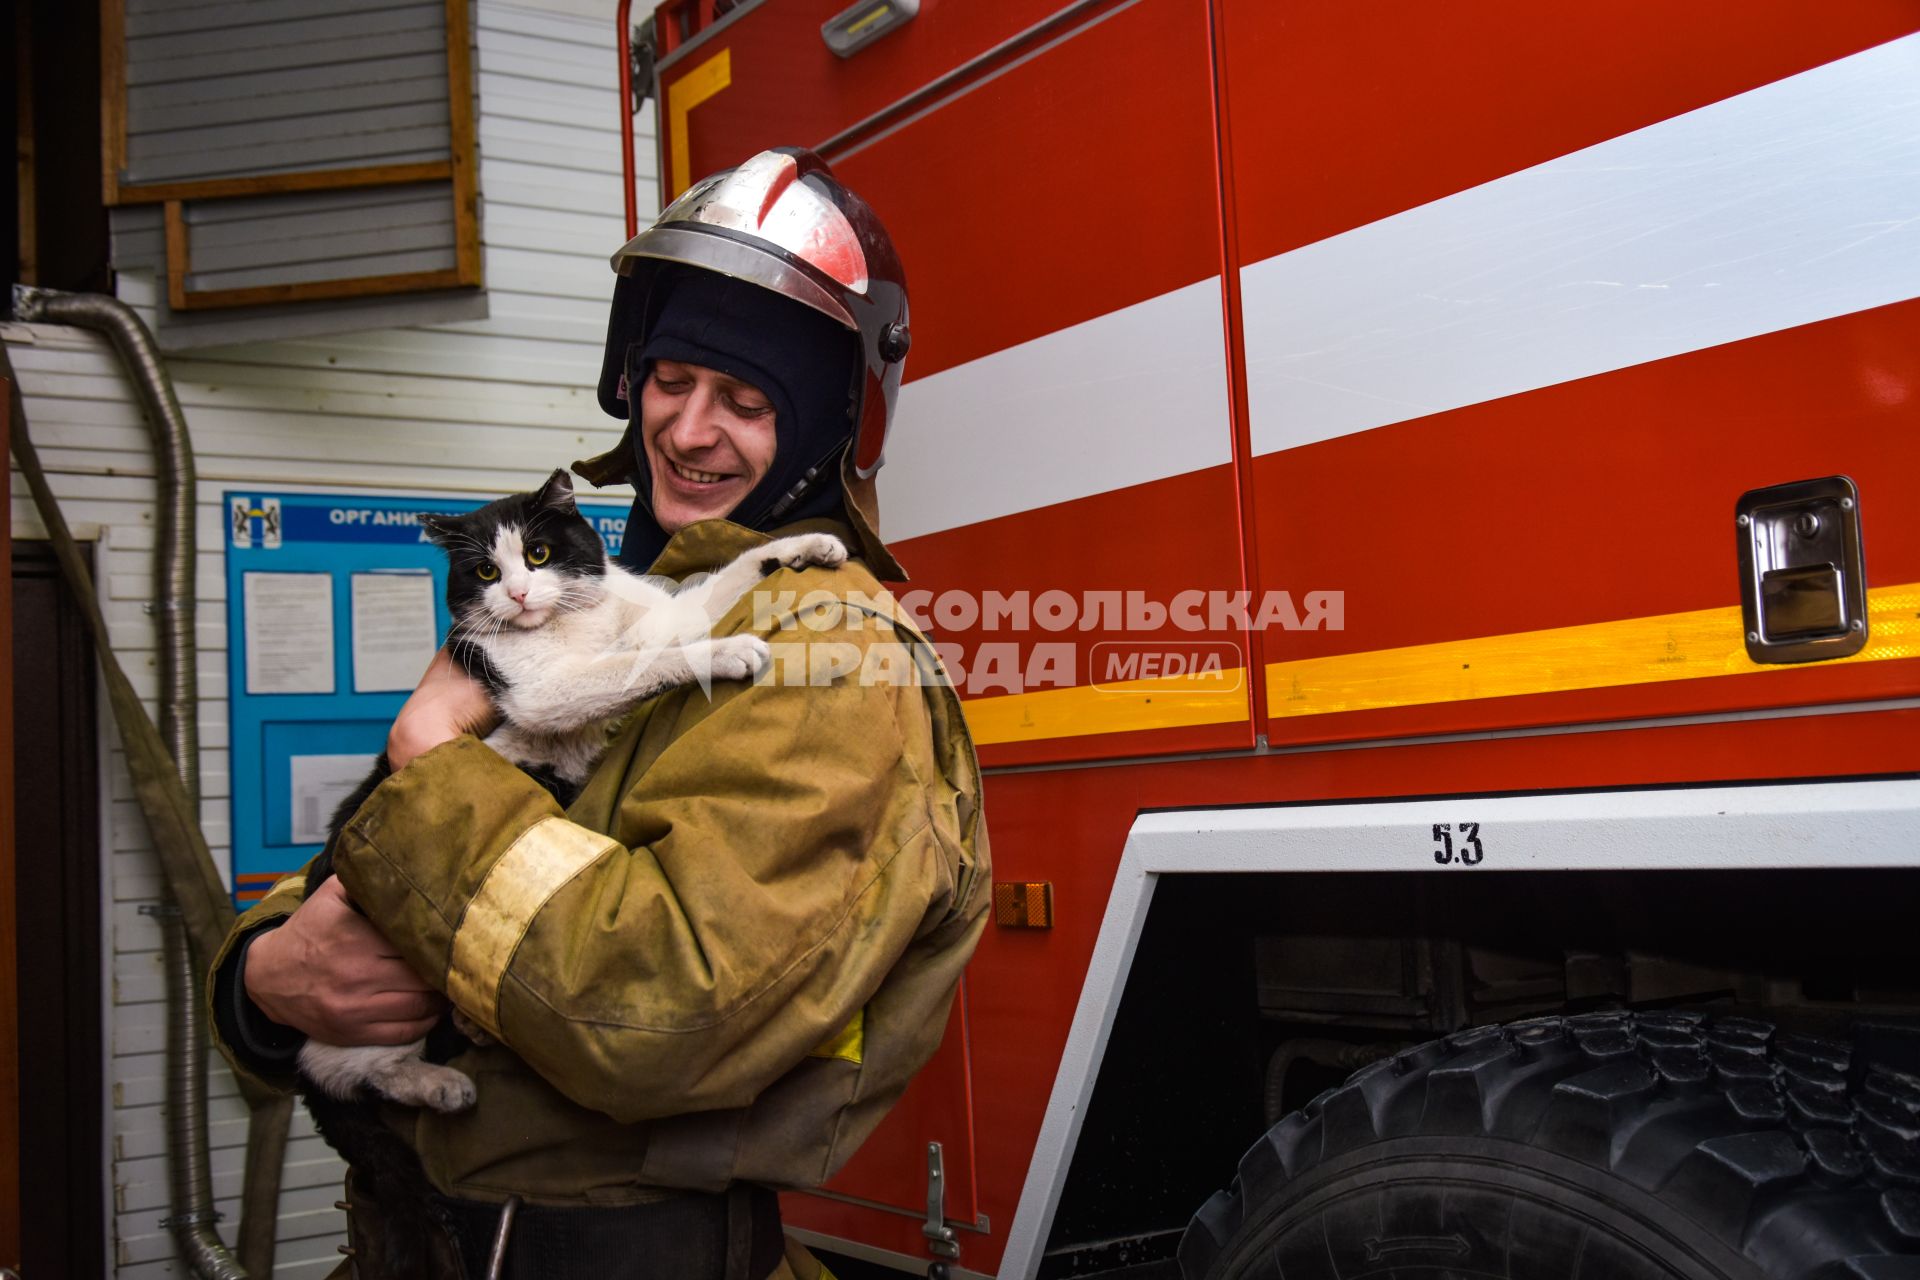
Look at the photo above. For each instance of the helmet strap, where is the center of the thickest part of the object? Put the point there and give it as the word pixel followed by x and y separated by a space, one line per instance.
pixel 805 483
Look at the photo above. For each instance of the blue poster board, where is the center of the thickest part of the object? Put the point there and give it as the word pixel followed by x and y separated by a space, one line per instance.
pixel 334 602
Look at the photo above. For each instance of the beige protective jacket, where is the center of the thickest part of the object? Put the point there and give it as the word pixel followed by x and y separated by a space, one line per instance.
pixel 728 957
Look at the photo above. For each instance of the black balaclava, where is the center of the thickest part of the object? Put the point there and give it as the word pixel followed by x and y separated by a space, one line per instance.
pixel 803 362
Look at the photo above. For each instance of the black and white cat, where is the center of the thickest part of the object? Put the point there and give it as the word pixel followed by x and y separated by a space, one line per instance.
pixel 565 641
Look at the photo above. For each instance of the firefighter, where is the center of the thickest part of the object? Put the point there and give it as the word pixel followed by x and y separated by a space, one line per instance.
pixel 719 968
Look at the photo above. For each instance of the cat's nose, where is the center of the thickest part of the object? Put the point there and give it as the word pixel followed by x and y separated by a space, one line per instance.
pixel 519 595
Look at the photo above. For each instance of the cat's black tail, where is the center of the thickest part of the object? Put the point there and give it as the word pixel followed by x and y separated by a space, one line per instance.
pixel 387 1178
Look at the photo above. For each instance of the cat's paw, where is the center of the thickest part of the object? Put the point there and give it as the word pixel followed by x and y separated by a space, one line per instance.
pixel 804 549
pixel 415 1083
pixel 738 657
pixel 471 1030
pixel 449 1093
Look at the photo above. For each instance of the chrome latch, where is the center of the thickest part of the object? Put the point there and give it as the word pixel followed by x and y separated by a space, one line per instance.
pixel 1803 580
pixel 856 27
pixel 940 1237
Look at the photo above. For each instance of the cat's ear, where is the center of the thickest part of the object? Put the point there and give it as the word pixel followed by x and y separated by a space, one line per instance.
pixel 557 493
pixel 440 529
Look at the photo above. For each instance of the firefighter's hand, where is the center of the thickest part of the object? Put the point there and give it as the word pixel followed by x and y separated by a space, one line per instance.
pixel 447 703
pixel 329 973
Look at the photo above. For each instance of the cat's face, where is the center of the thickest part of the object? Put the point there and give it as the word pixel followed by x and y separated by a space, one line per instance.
pixel 521 560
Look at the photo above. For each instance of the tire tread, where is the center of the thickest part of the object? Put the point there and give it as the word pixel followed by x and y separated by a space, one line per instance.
pixel 1784 1147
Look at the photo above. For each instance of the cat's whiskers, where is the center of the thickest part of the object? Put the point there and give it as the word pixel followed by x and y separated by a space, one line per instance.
pixel 574 597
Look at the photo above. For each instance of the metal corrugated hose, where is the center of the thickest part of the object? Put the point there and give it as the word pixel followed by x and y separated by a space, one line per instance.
pixel 190 1170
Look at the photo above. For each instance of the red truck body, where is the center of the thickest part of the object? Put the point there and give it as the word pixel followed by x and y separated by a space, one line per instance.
pixel 1462 327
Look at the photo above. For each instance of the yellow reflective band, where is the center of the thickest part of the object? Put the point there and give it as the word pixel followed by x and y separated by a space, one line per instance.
pixel 1670 646
pixel 546 856
pixel 1166 702
pixel 683 95
pixel 293 886
pixel 846 1044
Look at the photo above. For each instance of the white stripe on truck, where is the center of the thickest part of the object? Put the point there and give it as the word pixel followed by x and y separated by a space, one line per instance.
pixel 1795 202
pixel 1135 395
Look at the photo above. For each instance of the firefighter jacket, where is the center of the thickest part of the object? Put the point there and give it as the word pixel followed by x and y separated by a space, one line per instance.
pixel 728 957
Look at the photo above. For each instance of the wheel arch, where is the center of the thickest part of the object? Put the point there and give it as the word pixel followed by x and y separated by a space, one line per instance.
pixel 1850 823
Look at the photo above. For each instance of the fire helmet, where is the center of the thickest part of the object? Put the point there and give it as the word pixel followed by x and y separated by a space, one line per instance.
pixel 782 221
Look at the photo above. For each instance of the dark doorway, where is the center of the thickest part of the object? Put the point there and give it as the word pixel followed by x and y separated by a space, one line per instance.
pixel 53 219
pixel 57 927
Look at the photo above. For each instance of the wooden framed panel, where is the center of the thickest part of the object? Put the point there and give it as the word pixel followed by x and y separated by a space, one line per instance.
pixel 268 244
pixel 216 111
pixel 287 183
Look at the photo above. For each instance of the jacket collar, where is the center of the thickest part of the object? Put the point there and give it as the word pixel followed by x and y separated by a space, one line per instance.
pixel 708 544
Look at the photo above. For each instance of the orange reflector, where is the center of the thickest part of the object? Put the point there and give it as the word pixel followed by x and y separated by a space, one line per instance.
pixel 1023 904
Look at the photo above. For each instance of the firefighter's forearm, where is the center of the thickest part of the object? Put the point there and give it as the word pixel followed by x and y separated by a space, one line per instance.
pixel 419 847
pixel 696 1036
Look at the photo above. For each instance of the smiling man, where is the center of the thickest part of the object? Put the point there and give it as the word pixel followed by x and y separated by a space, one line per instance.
pixel 713 974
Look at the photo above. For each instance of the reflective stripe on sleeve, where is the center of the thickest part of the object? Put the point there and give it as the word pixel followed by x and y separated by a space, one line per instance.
pixel 546 856
pixel 293 887
pixel 849 1043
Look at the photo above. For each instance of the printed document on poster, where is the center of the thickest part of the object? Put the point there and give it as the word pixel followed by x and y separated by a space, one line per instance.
pixel 394 631
pixel 289 623
pixel 320 783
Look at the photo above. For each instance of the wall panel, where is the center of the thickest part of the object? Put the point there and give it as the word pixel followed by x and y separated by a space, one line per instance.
pixel 509 397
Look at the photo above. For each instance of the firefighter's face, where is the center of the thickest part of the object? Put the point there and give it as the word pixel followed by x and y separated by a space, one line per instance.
pixel 709 440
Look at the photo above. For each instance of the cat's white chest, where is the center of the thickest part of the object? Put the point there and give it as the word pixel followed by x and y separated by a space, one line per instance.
pixel 529 661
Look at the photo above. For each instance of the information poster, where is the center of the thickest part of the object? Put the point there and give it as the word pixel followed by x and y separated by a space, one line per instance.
pixel 336 602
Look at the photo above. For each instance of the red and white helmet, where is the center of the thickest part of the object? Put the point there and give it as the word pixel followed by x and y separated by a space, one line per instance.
pixel 782 221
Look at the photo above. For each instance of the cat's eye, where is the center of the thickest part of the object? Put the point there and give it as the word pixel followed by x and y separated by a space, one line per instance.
pixel 538 554
pixel 487 572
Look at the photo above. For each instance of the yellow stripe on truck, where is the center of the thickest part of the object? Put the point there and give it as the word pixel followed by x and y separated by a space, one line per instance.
pixel 1167 702
pixel 683 95
pixel 1598 655
pixel 1670 646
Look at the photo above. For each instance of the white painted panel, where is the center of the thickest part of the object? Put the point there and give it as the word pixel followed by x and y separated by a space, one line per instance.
pixel 507 397
pixel 1789 204
pixel 1025 427
pixel 586 24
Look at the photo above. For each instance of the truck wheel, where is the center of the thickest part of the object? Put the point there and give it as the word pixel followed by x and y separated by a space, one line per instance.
pixel 1599 1147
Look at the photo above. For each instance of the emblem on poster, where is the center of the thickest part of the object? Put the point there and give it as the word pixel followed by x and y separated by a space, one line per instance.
pixel 255 523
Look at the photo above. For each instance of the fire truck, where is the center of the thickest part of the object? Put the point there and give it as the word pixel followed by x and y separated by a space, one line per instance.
pixel 1420 503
